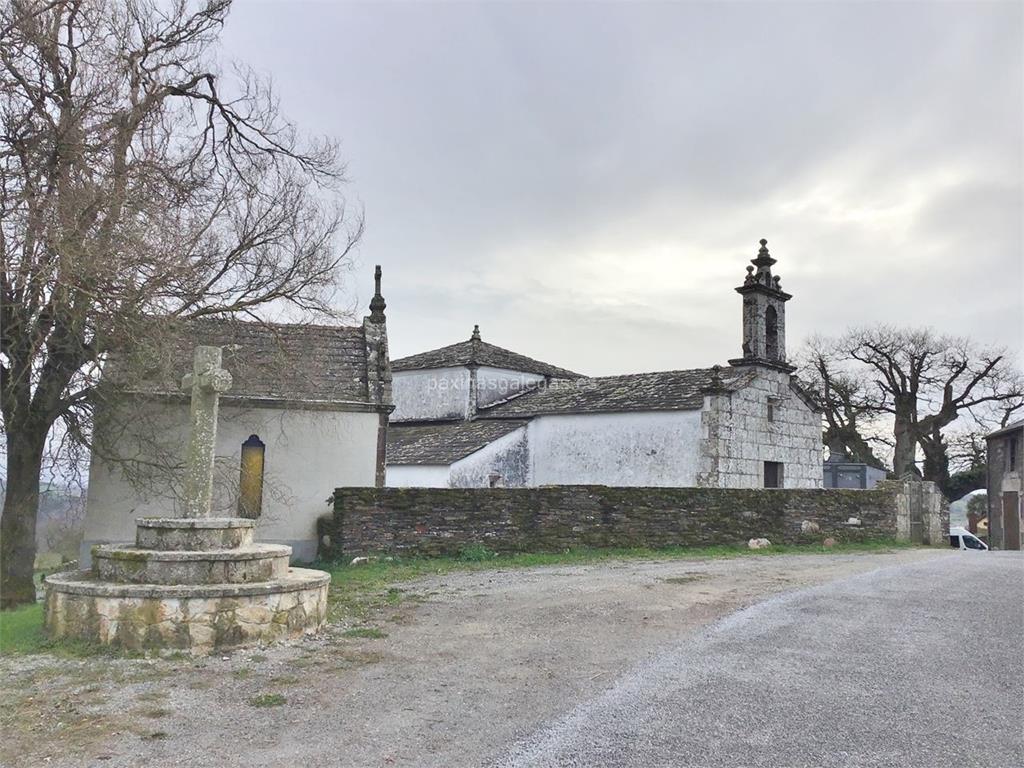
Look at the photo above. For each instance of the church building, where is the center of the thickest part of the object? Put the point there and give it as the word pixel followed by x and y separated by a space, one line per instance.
pixel 473 414
pixel 306 411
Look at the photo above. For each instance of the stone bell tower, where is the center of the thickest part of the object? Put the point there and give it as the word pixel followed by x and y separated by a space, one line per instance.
pixel 764 315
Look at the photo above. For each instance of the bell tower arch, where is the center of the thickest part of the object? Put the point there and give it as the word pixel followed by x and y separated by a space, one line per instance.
pixel 764 315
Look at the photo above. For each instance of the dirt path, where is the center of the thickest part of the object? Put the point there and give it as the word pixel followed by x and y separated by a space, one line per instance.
pixel 471 663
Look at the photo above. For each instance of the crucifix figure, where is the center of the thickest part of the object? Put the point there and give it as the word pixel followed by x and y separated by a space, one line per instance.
pixel 206 382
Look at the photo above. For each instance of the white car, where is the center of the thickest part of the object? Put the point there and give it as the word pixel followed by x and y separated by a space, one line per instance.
pixel 961 538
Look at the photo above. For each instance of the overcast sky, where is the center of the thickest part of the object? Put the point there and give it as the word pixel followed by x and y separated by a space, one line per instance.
pixel 588 181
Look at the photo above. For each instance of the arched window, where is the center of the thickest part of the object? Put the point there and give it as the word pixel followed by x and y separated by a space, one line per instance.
pixel 771 333
pixel 250 481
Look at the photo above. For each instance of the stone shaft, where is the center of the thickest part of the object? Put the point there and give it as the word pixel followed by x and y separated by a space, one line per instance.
pixel 206 382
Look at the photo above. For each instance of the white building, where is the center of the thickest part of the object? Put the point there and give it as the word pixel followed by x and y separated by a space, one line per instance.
pixel 473 414
pixel 317 397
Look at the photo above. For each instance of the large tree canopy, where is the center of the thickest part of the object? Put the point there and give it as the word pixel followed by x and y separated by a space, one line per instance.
pixel 137 180
pixel 918 383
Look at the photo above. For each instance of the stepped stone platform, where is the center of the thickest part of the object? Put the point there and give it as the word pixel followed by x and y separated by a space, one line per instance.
pixel 195 584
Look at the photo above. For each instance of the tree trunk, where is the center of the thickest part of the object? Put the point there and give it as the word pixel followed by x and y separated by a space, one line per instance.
pixel 904 452
pixel 936 464
pixel 18 524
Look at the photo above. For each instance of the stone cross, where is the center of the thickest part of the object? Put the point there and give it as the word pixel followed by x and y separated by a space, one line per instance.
pixel 206 382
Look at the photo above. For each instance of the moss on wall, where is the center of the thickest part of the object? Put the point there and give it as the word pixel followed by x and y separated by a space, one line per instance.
pixel 436 521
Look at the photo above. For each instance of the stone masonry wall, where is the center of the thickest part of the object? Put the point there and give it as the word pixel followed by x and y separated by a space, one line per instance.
pixel 437 521
pixel 737 436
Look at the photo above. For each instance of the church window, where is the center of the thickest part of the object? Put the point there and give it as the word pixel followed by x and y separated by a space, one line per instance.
pixel 771 333
pixel 773 474
pixel 250 481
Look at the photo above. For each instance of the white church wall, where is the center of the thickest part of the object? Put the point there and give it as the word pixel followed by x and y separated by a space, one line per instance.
pixel 417 476
pixel 308 454
pixel 649 448
pixel 496 384
pixel 437 393
pixel 508 456
pixel 746 438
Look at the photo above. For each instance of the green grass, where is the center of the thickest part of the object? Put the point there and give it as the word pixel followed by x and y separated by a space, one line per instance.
pixel 268 700
pixel 371 633
pixel 21 631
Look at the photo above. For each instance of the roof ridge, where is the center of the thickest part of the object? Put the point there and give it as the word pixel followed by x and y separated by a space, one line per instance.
pixel 256 323
pixel 480 353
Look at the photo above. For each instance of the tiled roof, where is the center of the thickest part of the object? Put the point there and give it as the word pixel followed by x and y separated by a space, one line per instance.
pixel 444 442
pixel 277 361
pixel 477 352
pixel 662 391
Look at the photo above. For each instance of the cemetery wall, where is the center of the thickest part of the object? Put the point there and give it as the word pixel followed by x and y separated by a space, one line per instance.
pixel 437 521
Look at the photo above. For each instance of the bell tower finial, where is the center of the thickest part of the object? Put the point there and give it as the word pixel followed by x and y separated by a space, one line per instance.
pixel 476 333
pixel 764 314
pixel 377 303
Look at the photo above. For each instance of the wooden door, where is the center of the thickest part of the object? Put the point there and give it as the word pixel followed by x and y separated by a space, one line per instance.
pixel 1011 520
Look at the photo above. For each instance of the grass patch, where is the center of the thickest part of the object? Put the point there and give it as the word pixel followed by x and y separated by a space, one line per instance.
pixel 476 553
pixel 362 591
pixel 268 700
pixel 687 579
pixel 371 633
pixel 21 631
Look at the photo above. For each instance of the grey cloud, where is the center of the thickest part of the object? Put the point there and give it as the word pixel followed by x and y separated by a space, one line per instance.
pixel 591 179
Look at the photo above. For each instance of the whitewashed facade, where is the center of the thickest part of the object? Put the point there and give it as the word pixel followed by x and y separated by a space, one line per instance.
pixel 317 398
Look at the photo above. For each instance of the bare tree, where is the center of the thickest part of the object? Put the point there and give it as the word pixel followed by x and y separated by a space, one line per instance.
pixel 137 180
pixel 924 382
pixel 848 403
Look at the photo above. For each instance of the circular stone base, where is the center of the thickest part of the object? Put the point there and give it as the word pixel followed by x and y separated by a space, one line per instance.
pixel 252 563
pixel 193 533
pixel 199 619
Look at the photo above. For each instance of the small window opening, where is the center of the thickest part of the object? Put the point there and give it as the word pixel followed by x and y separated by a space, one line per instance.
pixel 771 333
pixel 1011 454
pixel 771 411
pixel 773 474
pixel 495 480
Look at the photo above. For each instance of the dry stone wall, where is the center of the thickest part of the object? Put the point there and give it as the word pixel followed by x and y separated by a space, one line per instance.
pixel 437 521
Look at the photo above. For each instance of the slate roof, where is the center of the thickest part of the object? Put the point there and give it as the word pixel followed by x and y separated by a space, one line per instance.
pixel 477 352
pixel 277 361
pixel 1011 427
pixel 661 391
pixel 443 443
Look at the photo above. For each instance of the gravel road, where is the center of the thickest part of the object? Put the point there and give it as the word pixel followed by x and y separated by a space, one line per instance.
pixel 686 661
pixel 915 665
